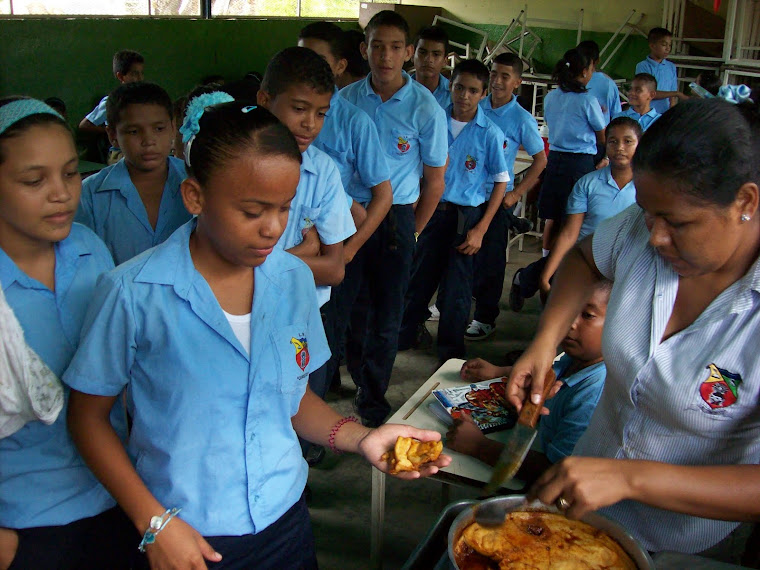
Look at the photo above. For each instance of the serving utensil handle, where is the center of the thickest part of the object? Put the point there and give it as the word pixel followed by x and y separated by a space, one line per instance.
pixel 531 412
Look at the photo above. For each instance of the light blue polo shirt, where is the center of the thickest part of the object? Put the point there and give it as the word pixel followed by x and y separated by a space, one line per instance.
pixel 111 207
pixel 320 201
pixel 606 92
pixel 442 93
pixel 597 195
pixel 573 120
pixel 98 115
pixel 667 80
pixel 571 408
pixel 350 138
pixel 412 130
pixel 644 120
pixel 520 129
pixel 212 429
pixel 43 480
pixel 474 156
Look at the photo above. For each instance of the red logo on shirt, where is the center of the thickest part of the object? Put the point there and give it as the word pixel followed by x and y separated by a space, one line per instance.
pixel 403 145
pixel 505 144
pixel 302 351
pixel 470 163
pixel 721 389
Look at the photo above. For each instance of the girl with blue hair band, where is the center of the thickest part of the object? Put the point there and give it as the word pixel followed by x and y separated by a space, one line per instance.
pixel 213 334
pixel 53 512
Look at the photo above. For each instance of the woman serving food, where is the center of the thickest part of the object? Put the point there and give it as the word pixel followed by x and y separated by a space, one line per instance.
pixel 672 450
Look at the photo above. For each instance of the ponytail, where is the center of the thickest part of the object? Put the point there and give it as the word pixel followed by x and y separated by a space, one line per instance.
pixel 568 69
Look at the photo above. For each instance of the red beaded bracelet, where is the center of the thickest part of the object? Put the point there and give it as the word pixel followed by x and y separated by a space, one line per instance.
pixel 334 432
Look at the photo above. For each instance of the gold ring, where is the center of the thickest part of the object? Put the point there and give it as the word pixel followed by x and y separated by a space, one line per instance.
pixel 562 504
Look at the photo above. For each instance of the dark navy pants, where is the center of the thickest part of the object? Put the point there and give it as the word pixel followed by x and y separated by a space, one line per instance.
pixel 489 264
pixel 563 170
pixel 371 299
pixel 436 260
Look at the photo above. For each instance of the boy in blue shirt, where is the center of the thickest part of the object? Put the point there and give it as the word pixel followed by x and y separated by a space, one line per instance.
pixel 520 129
pixel 656 64
pixel 135 204
pixel 430 49
pixel 582 373
pixel 350 138
pixel 598 195
pixel 601 86
pixel 412 130
pixel 297 88
pixel 643 90
pixel 447 246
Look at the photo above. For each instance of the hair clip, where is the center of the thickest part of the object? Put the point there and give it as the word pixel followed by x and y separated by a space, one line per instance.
pixel 249 108
pixel 195 110
pixel 735 93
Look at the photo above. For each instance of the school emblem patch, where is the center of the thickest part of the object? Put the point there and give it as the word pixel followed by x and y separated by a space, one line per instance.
pixel 302 351
pixel 470 163
pixel 721 389
pixel 403 145
pixel 505 144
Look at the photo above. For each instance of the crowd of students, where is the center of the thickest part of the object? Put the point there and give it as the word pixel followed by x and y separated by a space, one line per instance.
pixel 248 237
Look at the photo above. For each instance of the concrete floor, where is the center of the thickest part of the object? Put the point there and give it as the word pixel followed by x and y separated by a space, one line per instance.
pixel 341 485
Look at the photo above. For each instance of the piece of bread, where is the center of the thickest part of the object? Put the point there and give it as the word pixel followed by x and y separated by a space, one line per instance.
pixel 409 454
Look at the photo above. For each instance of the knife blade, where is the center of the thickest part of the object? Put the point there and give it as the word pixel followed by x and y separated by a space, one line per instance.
pixel 520 439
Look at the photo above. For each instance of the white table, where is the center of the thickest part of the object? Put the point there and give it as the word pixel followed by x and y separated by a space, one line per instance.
pixel 463 470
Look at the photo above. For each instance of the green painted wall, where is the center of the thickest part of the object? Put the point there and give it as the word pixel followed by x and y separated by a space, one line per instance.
pixel 71 58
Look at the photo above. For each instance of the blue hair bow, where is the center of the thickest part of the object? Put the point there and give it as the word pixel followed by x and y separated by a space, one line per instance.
pixel 735 93
pixel 195 109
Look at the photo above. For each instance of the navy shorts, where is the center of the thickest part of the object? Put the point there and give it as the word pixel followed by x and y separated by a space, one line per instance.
pixel 563 170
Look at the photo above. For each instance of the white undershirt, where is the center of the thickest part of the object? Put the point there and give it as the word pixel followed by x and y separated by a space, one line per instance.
pixel 241 326
pixel 456 127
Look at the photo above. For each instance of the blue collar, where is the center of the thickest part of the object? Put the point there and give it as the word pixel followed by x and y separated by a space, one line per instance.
pixel 574 379
pixel 119 173
pixel 488 105
pixel 479 119
pixel 399 95
pixel 307 159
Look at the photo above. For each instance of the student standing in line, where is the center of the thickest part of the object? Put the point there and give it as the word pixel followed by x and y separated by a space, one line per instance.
pixel 54 514
pixel 657 64
pixel 430 50
pixel 448 244
pixel 412 130
pixel 214 334
pixel 601 85
pixel 520 130
pixel 136 204
pixel 643 90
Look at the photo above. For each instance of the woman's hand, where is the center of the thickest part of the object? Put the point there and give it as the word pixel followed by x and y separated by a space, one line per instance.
pixel 586 483
pixel 381 440
pixel 180 547
pixel 477 369
pixel 527 377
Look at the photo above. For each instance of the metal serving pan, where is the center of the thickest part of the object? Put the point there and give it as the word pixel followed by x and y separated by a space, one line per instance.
pixel 632 547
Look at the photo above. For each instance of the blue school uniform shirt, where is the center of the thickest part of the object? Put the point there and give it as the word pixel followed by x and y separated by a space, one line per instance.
pixel 474 156
pixel 606 92
pixel 412 130
pixel 43 480
pixel 320 201
pixel 442 93
pixel 597 195
pixel 212 429
pixel 98 115
pixel 111 206
pixel 520 129
pixel 667 80
pixel 350 138
pixel 571 408
pixel 644 120
pixel 573 120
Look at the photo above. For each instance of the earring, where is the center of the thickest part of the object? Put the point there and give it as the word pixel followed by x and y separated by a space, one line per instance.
pixel 745 218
